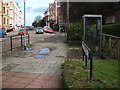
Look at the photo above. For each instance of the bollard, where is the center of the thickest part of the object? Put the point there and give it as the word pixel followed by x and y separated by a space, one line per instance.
pixel 11 42
pixel 28 39
pixel 21 40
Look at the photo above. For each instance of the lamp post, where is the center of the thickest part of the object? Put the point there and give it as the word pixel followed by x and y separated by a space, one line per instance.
pixel 24 28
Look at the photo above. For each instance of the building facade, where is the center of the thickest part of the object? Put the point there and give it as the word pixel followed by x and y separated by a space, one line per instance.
pixel 0 14
pixel 46 17
pixel 52 14
pixel 113 18
pixel 11 16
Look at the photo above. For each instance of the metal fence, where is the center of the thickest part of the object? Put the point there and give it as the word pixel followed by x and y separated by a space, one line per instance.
pixel 14 41
pixel 110 46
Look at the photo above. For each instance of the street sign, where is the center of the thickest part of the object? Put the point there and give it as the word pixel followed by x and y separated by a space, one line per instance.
pixel 61 22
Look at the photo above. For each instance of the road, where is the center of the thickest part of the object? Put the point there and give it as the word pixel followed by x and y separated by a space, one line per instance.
pixel 16 41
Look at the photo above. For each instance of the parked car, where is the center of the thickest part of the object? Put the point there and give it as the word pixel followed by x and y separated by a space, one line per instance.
pixel 48 30
pixel 2 32
pixel 29 28
pixel 39 30
pixel 45 28
pixel 22 31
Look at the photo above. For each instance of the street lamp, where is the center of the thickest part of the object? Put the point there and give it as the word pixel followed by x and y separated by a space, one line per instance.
pixel 24 28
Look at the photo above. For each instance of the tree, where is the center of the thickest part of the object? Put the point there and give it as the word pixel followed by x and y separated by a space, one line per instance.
pixel 38 22
pixel 38 18
pixel 34 24
pixel 41 23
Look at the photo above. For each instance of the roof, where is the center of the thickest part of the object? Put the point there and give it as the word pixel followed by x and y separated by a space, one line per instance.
pixel 91 15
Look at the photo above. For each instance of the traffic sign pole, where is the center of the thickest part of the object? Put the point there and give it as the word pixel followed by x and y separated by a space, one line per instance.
pixel 24 29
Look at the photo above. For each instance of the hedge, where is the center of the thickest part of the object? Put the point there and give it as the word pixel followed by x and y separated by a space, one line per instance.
pixel 56 27
pixel 75 31
pixel 112 29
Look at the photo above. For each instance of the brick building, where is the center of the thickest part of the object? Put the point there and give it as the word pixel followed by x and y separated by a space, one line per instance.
pixel 52 14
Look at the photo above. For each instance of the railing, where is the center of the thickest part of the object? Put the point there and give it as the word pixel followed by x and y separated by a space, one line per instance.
pixel 88 55
pixel 110 46
pixel 20 40
pixel 14 41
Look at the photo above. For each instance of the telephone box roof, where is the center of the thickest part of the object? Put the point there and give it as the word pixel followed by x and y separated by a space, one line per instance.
pixel 91 15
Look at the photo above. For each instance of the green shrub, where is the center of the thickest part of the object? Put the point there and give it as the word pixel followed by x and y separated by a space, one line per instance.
pixel 75 31
pixel 56 27
pixel 112 29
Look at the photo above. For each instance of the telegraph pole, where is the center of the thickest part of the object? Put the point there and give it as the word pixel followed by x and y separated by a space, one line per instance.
pixel 67 19
pixel 24 28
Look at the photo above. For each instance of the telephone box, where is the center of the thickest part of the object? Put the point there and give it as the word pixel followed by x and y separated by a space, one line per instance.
pixel 92 33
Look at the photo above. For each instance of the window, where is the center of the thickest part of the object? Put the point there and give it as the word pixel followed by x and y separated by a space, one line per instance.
pixel 4 21
pixel 7 12
pixel 3 9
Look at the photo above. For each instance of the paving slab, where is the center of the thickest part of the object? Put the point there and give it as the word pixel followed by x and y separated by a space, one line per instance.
pixel 25 71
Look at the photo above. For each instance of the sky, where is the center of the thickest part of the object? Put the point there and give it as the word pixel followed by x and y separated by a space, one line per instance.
pixel 34 8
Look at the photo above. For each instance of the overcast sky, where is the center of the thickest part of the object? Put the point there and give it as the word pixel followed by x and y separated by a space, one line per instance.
pixel 34 8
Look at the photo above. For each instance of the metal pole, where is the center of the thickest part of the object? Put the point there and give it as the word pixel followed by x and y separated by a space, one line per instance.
pixel 91 68
pixel 21 40
pixel 59 28
pixel 83 55
pixel 11 42
pixel 24 29
pixel 86 60
pixel 67 19
pixel 28 38
pixel 100 48
pixel 84 29
pixel 56 11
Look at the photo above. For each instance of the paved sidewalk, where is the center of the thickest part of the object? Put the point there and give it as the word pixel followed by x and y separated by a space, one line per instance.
pixel 29 80
pixel 23 70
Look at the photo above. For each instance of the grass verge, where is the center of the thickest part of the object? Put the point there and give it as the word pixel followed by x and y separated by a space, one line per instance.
pixel 105 74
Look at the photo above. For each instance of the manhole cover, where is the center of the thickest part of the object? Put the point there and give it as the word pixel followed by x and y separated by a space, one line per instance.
pixel 10 67
pixel 39 56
